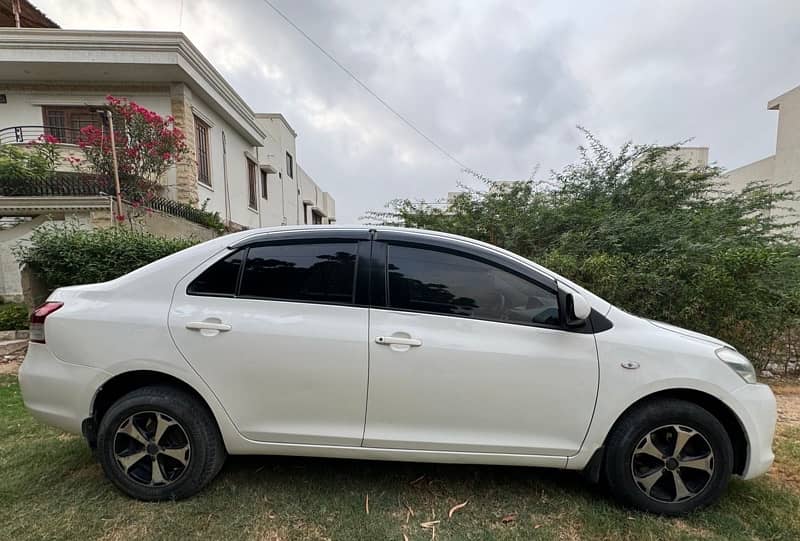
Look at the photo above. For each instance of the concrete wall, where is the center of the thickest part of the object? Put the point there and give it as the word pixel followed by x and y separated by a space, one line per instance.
pixel 158 223
pixel 10 280
pixel 228 150
pixel 784 166
pixel 764 169
pixel 281 205
pixel 300 192
pixel 694 156
pixel 787 147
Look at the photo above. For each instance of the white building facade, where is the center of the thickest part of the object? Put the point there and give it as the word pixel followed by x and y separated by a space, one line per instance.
pixel 242 165
pixel 784 165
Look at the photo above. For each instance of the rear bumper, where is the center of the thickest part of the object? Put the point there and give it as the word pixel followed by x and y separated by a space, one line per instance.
pixel 57 393
pixel 758 413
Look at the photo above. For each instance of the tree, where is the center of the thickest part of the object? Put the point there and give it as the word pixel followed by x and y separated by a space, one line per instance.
pixel 147 146
pixel 650 234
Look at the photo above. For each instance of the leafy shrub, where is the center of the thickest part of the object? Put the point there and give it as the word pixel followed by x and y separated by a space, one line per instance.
pixel 64 254
pixel 650 234
pixel 13 316
pixel 34 162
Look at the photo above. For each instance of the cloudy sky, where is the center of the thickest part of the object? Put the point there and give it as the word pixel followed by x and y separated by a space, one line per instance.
pixel 499 84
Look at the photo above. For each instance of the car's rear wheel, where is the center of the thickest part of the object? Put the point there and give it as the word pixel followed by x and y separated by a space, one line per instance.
pixel 668 457
pixel 159 443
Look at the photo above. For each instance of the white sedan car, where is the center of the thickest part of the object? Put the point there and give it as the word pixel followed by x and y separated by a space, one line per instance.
pixel 388 344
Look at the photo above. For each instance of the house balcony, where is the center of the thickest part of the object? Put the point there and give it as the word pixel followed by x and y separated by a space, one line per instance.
pixel 31 134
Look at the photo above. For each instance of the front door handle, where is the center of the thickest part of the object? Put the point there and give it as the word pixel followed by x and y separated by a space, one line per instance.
pixel 397 340
pixel 208 326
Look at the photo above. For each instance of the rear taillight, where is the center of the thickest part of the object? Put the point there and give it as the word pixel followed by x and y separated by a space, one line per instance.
pixel 37 320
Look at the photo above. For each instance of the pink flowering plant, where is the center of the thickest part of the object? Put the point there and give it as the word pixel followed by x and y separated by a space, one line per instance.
pixel 147 146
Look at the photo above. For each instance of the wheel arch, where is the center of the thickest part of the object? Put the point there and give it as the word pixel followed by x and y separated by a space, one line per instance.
pixel 121 384
pixel 730 421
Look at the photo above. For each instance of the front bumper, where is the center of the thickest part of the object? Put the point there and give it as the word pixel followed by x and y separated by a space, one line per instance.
pixel 757 411
pixel 57 393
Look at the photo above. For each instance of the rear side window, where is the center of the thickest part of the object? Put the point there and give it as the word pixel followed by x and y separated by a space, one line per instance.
pixel 219 279
pixel 425 280
pixel 313 272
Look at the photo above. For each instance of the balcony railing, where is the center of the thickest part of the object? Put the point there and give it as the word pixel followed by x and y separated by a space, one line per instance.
pixel 26 134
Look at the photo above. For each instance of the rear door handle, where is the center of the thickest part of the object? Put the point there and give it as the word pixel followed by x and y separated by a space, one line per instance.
pixel 398 340
pixel 208 326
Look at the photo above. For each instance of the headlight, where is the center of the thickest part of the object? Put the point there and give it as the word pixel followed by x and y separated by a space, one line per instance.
pixel 738 363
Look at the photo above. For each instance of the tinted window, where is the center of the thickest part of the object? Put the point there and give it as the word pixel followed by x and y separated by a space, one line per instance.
pixel 443 283
pixel 219 279
pixel 322 272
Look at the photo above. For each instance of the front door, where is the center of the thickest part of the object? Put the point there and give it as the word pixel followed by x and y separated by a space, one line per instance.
pixel 275 331
pixel 469 356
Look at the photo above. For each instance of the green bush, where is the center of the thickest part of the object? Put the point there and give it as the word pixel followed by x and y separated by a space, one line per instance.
pixel 13 316
pixel 64 254
pixel 649 233
pixel 30 164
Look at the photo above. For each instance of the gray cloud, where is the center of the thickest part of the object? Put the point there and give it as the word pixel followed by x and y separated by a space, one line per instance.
pixel 499 84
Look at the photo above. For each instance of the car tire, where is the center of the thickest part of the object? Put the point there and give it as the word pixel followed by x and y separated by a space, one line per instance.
pixel 159 443
pixel 694 466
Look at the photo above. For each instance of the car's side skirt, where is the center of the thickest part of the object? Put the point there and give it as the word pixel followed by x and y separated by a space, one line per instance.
pixel 249 447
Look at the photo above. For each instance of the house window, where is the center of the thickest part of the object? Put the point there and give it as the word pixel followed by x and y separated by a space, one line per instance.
pixel 305 213
pixel 203 155
pixel 66 122
pixel 264 185
pixel 316 217
pixel 251 184
pixel 289 165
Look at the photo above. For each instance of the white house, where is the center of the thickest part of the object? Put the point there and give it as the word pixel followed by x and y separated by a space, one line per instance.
pixel 784 165
pixel 244 165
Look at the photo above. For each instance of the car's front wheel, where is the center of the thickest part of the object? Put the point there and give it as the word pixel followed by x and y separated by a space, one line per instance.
pixel 668 457
pixel 159 443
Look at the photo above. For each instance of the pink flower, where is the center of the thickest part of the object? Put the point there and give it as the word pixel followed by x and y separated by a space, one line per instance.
pixel 120 218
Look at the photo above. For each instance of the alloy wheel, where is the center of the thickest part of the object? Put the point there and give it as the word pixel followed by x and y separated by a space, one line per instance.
pixel 152 448
pixel 672 464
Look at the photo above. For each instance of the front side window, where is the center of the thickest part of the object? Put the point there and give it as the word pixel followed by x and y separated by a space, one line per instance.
pixel 321 272
pixel 425 280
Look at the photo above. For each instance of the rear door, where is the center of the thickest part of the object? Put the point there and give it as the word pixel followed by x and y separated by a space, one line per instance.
pixel 469 355
pixel 278 331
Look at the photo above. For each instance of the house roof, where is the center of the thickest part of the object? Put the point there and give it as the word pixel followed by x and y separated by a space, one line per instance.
pixel 46 55
pixel 29 17
pixel 278 116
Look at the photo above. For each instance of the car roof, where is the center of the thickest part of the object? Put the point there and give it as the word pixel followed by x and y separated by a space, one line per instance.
pixel 407 233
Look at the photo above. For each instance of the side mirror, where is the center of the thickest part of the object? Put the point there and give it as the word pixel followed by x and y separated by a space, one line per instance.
pixel 578 308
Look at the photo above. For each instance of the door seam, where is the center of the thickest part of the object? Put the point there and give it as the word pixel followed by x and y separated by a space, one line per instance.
pixel 369 348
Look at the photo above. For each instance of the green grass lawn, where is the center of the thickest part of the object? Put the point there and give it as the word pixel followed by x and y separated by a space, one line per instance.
pixel 51 488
